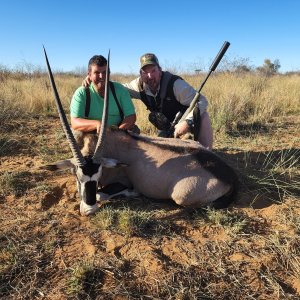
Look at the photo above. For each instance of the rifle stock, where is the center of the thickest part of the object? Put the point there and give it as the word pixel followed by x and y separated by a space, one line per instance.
pixel 211 69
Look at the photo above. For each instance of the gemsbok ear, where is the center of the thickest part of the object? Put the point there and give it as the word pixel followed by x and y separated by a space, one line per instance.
pixel 61 165
pixel 110 163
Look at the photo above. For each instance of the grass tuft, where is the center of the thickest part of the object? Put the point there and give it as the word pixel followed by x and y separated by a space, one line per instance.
pixel 15 183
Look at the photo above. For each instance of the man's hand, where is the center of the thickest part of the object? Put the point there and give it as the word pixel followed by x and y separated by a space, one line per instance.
pixel 181 129
pixel 128 122
pixel 86 81
pixel 98 126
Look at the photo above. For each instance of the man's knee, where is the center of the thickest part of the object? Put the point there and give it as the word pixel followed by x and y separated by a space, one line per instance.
pixel 205 136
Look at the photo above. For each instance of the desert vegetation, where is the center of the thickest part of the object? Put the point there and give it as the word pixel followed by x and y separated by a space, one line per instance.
pixel 140 248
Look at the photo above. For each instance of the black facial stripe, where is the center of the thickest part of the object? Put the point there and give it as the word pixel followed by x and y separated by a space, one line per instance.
pixel 90 190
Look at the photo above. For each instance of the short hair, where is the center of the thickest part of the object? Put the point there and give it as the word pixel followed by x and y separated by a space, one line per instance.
pixel 98 60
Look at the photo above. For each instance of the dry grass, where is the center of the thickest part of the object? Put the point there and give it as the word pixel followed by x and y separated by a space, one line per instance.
pixel 141 248
pixel 234 98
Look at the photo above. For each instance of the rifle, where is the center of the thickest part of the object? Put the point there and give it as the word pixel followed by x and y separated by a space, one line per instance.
pixel 211 69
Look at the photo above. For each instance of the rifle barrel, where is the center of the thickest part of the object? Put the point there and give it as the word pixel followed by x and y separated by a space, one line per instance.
pixel 211 69
pixel 219 56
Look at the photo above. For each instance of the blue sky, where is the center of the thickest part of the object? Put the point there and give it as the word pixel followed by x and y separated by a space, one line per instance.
pixel 180 33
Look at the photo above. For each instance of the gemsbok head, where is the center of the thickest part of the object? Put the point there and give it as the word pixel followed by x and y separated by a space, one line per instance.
pixel 87 169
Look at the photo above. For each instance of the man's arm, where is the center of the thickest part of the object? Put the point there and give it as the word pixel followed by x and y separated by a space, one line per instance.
pixel 128 122
pixel 85 125
pixel 133 88
pixel 185 94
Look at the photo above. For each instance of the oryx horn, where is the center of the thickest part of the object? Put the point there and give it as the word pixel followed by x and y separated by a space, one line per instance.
pixel 79 160
pixel 100 143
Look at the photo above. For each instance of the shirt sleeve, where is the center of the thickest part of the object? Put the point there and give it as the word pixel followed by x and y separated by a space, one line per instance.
pixel 125 100
pixel 133 88
pixel 77 106
pixel 185 94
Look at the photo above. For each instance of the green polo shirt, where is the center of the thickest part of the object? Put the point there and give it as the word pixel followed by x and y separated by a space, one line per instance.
pixel 77 107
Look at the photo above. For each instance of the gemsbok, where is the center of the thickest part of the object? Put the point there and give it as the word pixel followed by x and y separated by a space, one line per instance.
pixel 159 168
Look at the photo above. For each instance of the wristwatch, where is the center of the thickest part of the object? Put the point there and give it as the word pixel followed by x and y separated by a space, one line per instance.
pixel 190 122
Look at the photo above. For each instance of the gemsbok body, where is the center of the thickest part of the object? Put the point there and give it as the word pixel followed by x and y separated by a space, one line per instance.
pixel 159 168
pixel 164 168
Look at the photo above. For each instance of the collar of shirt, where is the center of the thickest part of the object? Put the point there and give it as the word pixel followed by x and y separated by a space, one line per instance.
pixel 96 92
pixel 148 91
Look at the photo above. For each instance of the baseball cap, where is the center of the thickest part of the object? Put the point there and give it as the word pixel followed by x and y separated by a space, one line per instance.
pixel 149 59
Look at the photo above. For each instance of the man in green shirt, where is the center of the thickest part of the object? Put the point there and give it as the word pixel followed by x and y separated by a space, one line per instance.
pixel 86 113
pixel 121 110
